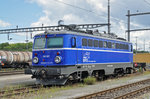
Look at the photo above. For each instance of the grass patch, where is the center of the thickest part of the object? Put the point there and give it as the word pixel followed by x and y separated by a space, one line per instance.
pixel 146 72
pixel 90 80
pixel 50 92
pixel 11 87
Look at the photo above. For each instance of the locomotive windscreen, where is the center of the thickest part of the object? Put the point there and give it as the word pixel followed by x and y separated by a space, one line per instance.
pixel 39 43
pixel 55 42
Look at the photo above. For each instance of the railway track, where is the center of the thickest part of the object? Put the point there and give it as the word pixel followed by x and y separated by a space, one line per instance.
pixel 128 91
pixel 19 91
pixel 5 73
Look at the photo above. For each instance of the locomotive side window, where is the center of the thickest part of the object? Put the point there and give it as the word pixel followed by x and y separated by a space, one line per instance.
pixel 39 43
pixel 121 46
pixel 127 47
pixel 109 45
pixel 95 43
pixel 117 45
pixel 84 42
pixel 73 42
pixel 105 44
pixel 55 42
pixel 100 43
pixel 113 45
pixel 90 42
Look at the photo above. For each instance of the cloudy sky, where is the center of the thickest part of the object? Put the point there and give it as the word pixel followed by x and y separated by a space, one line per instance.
pixel 27 13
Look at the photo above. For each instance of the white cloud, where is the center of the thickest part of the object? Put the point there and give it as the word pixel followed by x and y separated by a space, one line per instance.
pixel 70 18
pixel 43 20
pixel 97 4
pixel 4 24
pixel 53 10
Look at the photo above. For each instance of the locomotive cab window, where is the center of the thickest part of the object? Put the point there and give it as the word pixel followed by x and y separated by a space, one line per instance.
pixel 55 42
pixel 39 43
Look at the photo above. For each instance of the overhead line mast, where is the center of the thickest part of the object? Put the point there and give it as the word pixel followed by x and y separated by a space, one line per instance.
pixel 136 14
pixel 108 16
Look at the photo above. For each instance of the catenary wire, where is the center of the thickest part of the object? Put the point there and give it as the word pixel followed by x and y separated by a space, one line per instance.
pixel 147 2
pixel 89 11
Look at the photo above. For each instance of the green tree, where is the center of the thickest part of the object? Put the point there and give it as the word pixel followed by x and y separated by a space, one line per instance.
pixel 16 46
pixel 134 51
pixel 4 45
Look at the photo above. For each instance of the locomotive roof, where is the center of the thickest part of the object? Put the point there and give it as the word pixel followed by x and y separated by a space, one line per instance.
pixel 81 34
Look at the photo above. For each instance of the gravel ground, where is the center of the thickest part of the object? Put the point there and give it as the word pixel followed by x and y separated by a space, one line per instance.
pixel 76 92
pixel 72 93
pixel 15 80
pixel 144 96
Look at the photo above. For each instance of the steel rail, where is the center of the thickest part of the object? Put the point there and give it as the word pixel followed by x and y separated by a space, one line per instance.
pixel 11 73
pixel 97 94
pixel 18 91
pixel 133 93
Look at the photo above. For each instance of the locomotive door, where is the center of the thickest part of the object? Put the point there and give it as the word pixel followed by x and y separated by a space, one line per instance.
pixel 79 55
pixel 78 51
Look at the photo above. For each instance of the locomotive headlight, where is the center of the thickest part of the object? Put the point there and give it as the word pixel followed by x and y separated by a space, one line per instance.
pixel 35 60
pixel 57 59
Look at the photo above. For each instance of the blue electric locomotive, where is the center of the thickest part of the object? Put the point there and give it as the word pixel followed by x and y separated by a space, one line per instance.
pixel 70 54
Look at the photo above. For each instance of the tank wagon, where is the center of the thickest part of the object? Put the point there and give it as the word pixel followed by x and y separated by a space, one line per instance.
pixel 15 59
pixel 70 54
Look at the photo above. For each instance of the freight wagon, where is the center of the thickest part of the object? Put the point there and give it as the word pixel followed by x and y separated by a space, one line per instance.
pixel 15 59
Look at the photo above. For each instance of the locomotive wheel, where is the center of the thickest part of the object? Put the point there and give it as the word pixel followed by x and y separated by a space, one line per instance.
pixel 122 73
pixel 21 66
pixel 68 82
pixel 101 78
pixel 129 71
